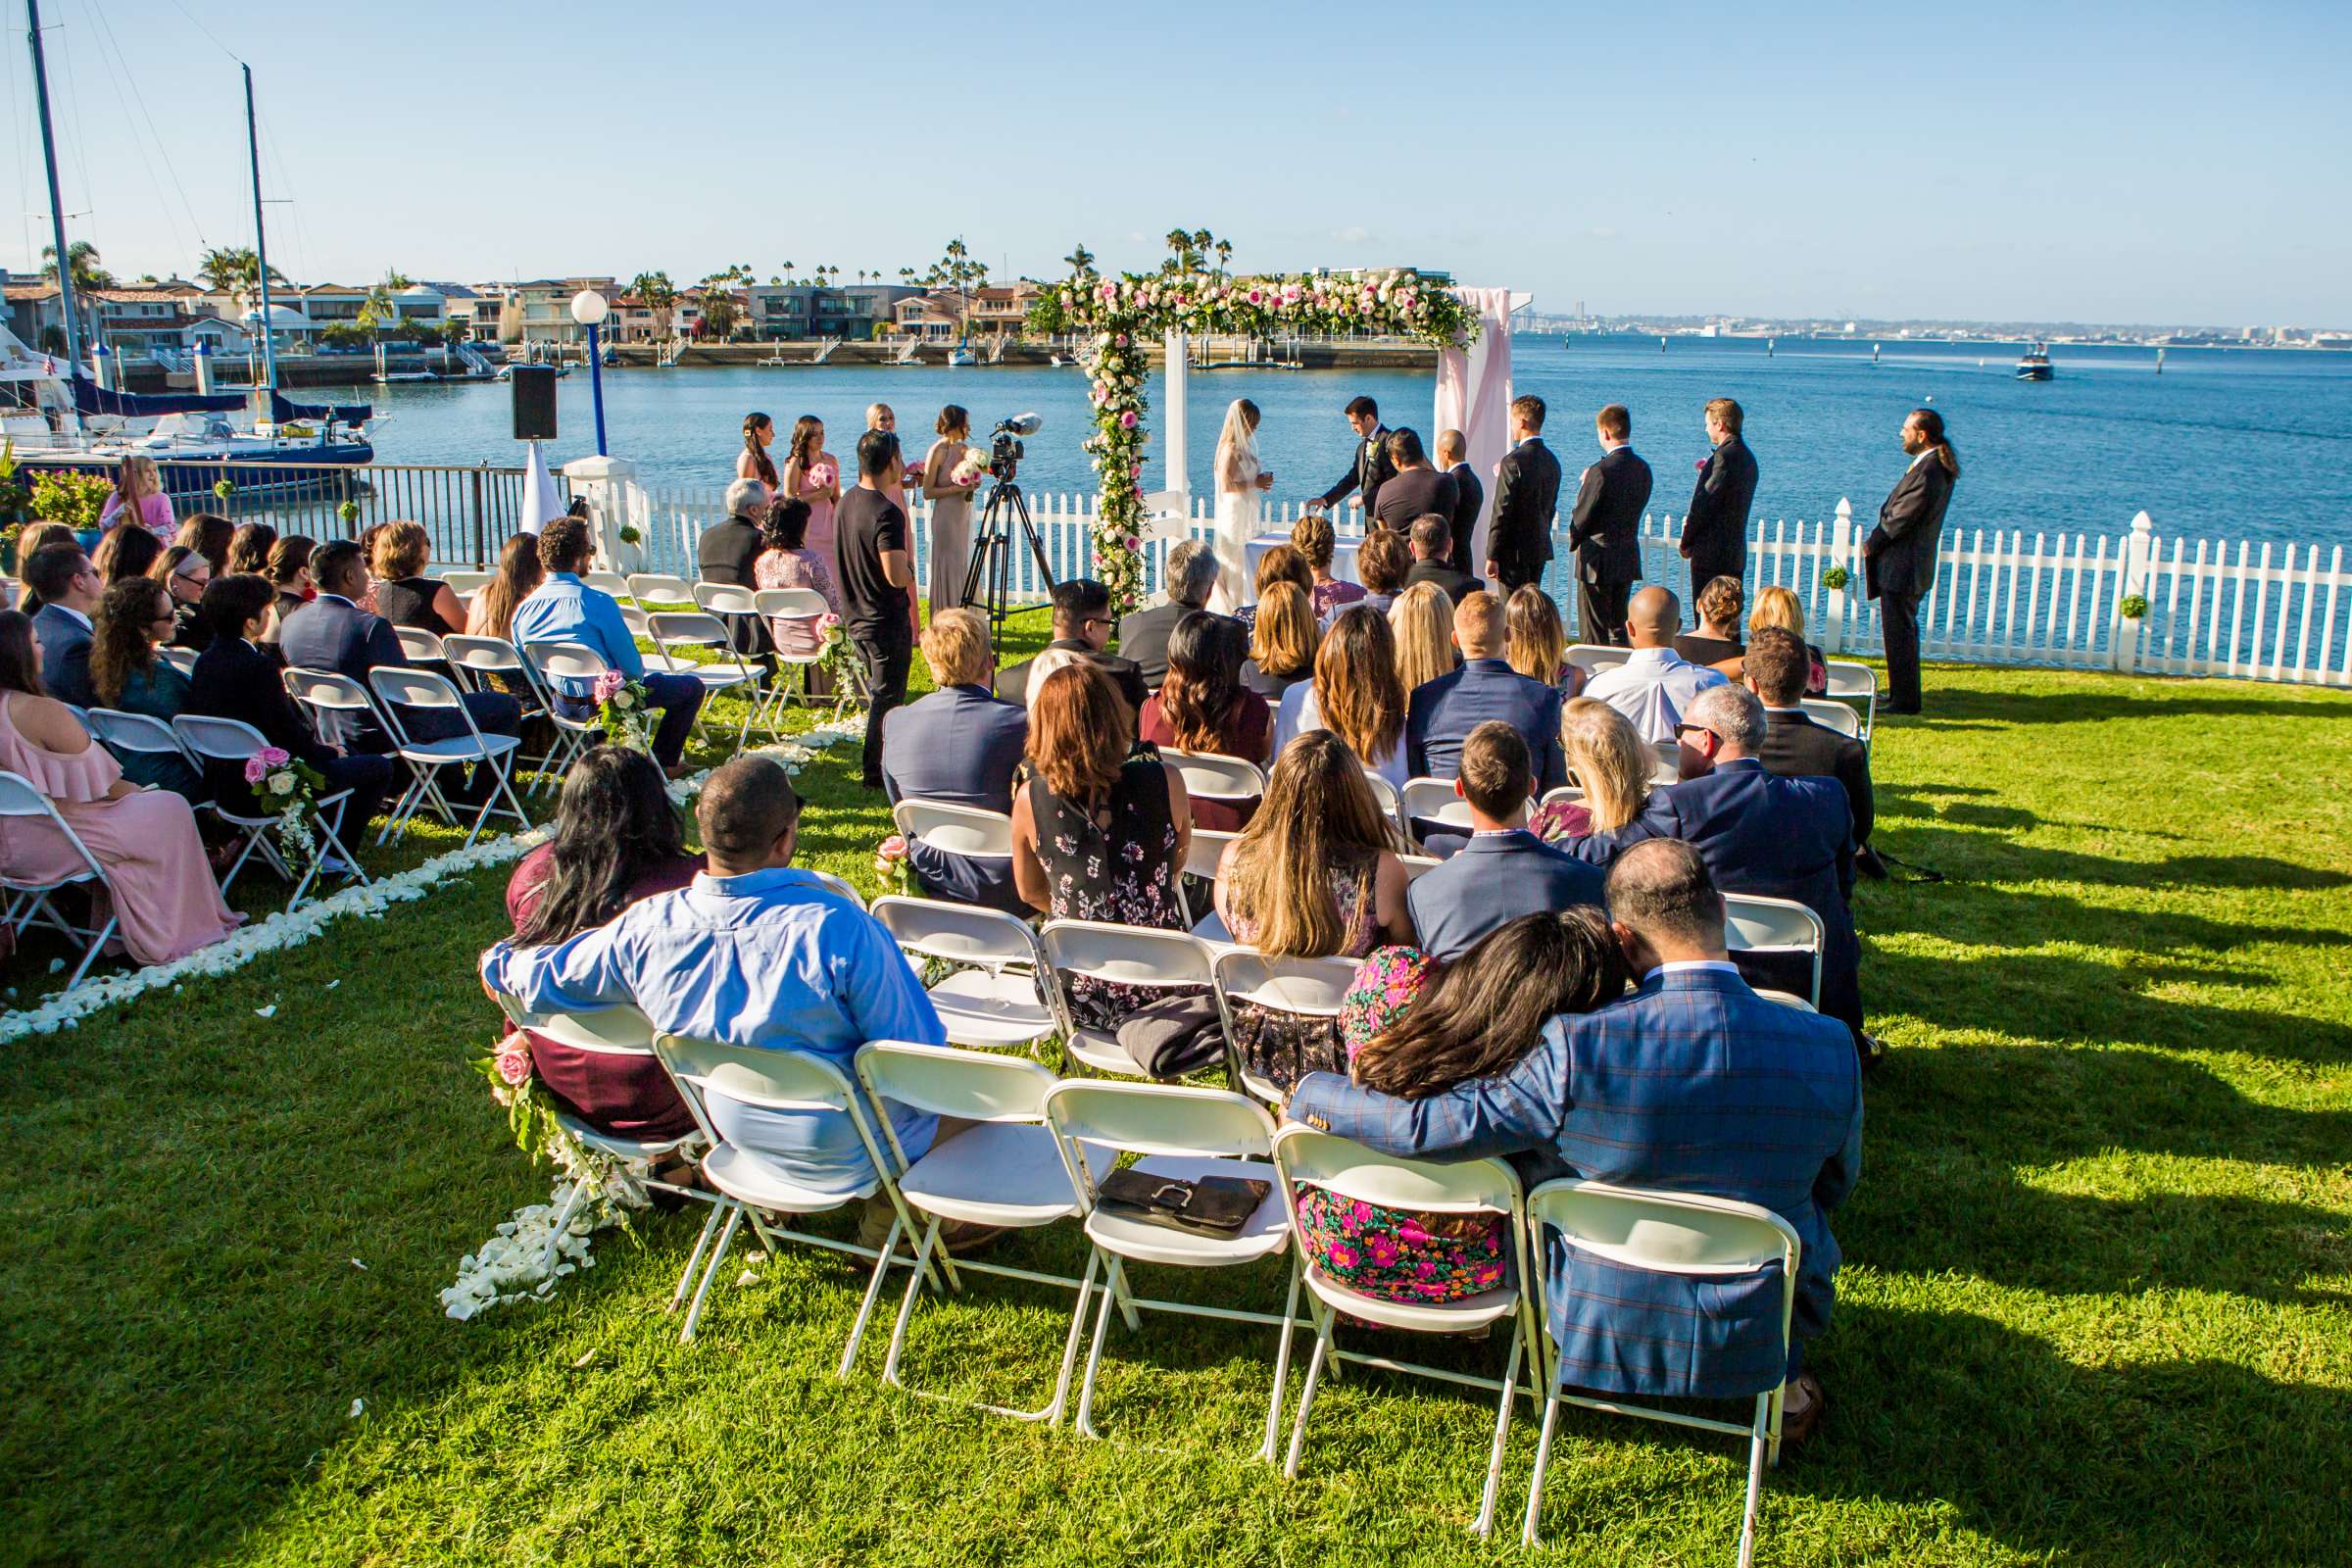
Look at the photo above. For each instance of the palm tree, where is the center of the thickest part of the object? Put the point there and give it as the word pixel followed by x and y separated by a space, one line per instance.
pixel 661 299
pixel 1224 253
pixel 82 256
pixel 1082 261
pixel 234 270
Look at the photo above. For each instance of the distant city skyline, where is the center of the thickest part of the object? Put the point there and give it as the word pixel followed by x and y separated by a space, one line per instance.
pixel 2154 164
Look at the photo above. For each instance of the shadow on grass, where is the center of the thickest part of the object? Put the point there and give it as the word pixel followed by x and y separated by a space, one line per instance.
pixel 2073 704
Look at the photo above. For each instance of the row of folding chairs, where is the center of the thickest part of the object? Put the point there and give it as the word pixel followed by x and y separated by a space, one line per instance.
pixel 1038 1148
pixel 1850 683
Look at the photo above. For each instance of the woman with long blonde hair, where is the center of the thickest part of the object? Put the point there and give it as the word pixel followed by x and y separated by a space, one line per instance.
pixel 138 495
pixel 1423 620
pixel 1780 606
pixel 1282 642
pixel 1609 761
pixel 1355 694
pixel 1239 484
pixel 1535 642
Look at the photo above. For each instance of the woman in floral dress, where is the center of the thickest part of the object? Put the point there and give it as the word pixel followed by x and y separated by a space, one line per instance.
pixel 1099 833
pixel 1436 1027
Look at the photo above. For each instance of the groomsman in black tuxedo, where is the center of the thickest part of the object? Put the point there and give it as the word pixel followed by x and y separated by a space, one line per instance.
pixel 1899 557
pixel 1527 493
pixel 1372 466
pixel 1715 529
pixel 1468 493
pixel 1606 529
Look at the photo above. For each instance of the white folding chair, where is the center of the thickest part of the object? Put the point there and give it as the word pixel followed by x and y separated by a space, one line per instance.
pixel 182 660
pixel 621 1033
pixel 139 735
pixel 610 582
pixel 1005 1171
pixel 339 707
pixel 550 664
pixel 462 583
pixel 658 588
pixel 1208 776
pixel 1351 1171
pixel 1851 682
pixel 1561 795
pixel 750 1185
pixel 1311 990
pixel 1830 714
pixel 800 608
pixel 1664 1233
pixel 659 659
pixel 1184 1134
pixel 1434 799
pixel 834 884
pixel 994 997
pixel 29 899
pixel 698 629
pixel 1118 954
pixel 421 646
pixel 1201 858
pixel 476 661
pixel 963 831
pixel 1418 866
pixel 397 688
pixel 1594 658
pixel 1668 767
pixel 1392 803
pixel 1752 923
pixel 230 740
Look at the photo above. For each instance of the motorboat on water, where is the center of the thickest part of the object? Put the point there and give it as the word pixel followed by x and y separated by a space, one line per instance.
pixel 962 356
pixel 2034 364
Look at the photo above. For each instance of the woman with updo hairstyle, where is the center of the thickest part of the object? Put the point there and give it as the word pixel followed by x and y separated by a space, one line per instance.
pixel 1716 643
pixel 1312 536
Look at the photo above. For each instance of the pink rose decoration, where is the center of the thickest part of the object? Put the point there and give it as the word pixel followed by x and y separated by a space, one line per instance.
pixel 892 846
pixel 827 622
pixel 514 1067
pixel 256 769
pixel 274 757
pixel 1127 421
pixel 1110 291
pixel 608 685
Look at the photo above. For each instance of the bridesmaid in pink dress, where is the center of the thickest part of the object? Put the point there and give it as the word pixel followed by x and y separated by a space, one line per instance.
pixel 165 899
pixel 811 475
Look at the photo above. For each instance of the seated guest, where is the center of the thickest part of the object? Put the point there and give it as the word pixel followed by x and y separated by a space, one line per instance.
pixel 616 843
pixel 1433 561
pixel 249 549
pixel 729 549
pixel 565 608
pixel 236 678
pixel 1415 490
pixel 1314 875
pixel 164 900
pixel 1795 747
pixel 1472 1019
pixel 1355 694
pixel 1098 831
pixel 122 553
pixel 1716 643
pixel 1438 717
pixel 1191 576
pixel 405 596
pixel 787 562
pixel 1282 642
pixel 1692 1084
pixel 133 620
pixel 1501 870
pixel 1314 539
pixel 289 573
pixel 67 583
pixel 1423 620
pixel 1780 606
pixel 1534 643
pixel 1082 626
pixel 959 746
pixel 1279 563
pixel 1205 708
pixel 1777 838
pixel 1606 760
pixel 753 954
pixel 210 535
pixel 186 575
pixel 1654 684
pixel 1382 560
pixel 35 538
pixel 519 572
pixel 137 498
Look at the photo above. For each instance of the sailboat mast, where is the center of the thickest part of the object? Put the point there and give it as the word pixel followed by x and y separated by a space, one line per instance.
pixel 261 239
pixel 57 201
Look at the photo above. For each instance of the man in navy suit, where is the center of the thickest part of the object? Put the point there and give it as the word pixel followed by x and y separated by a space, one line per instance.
pixel 68 586
pixel 1500 871
pixel 1692 1084
pixel 958 746
pixel 332 632
pixel 1777 838
pixel 1440 713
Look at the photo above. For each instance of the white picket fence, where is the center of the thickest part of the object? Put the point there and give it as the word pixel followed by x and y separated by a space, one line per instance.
pixel 2262 611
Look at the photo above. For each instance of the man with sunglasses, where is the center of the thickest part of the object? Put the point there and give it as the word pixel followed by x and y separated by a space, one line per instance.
pixel 68 586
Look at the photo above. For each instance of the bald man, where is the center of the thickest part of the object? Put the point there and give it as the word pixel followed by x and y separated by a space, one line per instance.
pixel 1453 458
pixel 1655 684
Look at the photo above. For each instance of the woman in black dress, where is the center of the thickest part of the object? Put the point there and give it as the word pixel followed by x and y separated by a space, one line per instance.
pixel 404 595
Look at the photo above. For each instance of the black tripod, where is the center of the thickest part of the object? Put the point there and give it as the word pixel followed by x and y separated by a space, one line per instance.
pixel 988 576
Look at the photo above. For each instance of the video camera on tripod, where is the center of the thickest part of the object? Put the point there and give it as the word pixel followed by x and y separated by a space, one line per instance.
pixel 1004 449
pixel 988 575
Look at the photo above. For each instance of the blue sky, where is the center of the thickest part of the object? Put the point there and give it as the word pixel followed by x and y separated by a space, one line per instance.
pixel 2149 163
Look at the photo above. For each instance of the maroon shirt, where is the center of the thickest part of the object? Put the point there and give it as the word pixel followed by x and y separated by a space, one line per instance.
pixel 1246 732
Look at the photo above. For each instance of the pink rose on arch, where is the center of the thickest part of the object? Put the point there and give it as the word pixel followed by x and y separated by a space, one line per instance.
pixel 1133 543
pixel 1127 421
pixel 608 685
pixel 1110 291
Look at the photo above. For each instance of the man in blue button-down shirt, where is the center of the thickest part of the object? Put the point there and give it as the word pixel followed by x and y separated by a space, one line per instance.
pixel 566 609
pixel 752 954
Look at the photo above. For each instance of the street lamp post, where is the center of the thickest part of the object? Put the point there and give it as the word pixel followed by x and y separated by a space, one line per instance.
pixel 589 308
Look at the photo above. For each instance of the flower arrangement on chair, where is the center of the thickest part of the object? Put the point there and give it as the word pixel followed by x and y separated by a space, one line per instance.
pixel 839 659
pixel 284 781
pixel 892 873
pixel 621 708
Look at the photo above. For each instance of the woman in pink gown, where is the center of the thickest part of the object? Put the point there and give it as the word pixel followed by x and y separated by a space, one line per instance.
pixel 811 475
pixel 145 839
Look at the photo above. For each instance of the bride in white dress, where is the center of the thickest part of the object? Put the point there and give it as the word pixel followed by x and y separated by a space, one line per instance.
pixel 1239 484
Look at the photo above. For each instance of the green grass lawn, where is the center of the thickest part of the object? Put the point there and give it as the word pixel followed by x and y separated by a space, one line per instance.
pixel 2097 1305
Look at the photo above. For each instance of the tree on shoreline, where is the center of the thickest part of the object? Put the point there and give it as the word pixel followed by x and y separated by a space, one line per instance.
pixel 661 299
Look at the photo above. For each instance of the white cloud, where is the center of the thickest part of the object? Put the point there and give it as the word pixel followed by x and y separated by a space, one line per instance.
pixel 1353 234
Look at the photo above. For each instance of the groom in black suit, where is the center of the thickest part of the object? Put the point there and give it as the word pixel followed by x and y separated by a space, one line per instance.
pixel 1715 529
pixel 1372 468
pixel 1899 556
pixel 1527 493
pixel 1606 529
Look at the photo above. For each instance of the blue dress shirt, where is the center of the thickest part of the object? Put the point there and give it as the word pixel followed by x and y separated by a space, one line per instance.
pixel 566 609
pixel 771 960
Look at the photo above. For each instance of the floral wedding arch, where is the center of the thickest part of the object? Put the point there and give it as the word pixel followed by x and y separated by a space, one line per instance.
pixel 1127 313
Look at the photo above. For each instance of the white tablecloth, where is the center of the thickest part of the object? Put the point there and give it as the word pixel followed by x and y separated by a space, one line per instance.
pixel 1342 558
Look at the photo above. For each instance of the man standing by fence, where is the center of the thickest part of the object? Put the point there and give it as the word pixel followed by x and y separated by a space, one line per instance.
pixel 1899 556
pixel 1715 528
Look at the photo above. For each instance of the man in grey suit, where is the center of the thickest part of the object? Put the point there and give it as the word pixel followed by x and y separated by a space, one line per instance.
pixel 1500 871
pixel 68 586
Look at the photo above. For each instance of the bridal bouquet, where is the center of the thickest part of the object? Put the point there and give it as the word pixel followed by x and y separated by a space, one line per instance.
pixel 290 786
pixel 968 470
pixel 620 707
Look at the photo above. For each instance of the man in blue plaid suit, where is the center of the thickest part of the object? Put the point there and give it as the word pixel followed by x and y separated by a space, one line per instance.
pixel 1692 1083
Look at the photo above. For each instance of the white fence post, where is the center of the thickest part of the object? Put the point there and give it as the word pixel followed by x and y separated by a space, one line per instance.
pixel 2123 635
pixel 613 503
pixel 1841 545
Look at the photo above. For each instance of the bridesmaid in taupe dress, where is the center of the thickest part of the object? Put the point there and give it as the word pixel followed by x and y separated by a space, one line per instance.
pixel 951 508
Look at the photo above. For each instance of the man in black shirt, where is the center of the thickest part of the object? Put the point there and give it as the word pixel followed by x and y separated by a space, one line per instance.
pixel 1080 625
pixel 877 567
pixel 1416 489
pixel 1453 450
